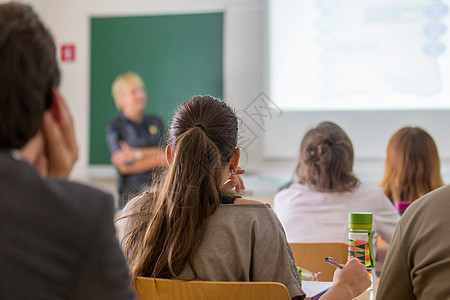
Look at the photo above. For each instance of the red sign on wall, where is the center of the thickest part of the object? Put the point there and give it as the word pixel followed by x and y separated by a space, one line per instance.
pixel 68 53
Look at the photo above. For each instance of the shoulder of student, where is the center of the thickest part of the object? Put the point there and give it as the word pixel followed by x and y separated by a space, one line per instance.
pixel 80 198
pixel 248 201
pixel 434 203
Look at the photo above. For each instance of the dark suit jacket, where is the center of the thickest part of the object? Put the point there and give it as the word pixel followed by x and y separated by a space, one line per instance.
pixel 57 238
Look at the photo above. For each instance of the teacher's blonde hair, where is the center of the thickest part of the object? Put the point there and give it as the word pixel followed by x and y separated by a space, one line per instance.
pixel 120 83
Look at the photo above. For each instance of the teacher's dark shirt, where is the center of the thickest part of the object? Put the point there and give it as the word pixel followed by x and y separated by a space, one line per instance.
pixel 149 133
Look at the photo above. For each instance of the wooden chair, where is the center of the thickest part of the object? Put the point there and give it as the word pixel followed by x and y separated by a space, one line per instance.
pixel 311 256
pixel 172 289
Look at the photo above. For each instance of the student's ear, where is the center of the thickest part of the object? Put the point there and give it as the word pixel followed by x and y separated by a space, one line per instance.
pixel 169 157
pixel 234 161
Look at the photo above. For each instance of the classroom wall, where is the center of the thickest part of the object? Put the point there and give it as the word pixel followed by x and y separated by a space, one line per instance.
pixel 69 22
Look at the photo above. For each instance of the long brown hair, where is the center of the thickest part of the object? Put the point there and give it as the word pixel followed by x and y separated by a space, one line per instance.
pixel 326 159
pixel 412 166
pixel 170 221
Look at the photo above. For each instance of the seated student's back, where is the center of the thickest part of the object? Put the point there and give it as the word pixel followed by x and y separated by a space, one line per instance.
pixel 249 231
pixel 309 216
pixel 315 207
pixel 418 261
pixel 193 226
pixel 57 237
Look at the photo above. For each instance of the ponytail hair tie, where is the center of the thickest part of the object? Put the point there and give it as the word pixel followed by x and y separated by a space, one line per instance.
pixel 201 127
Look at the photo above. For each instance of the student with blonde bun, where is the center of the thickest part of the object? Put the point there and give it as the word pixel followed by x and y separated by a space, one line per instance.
pixel 194 225
pixel 314 208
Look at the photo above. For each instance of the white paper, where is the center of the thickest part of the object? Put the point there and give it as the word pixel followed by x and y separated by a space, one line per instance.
pixel 312 288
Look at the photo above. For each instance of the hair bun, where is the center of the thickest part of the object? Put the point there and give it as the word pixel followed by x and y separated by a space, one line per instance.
pixel 330 141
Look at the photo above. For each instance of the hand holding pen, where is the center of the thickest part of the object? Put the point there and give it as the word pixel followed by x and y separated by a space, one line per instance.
pixel 334 262
pixel 350 280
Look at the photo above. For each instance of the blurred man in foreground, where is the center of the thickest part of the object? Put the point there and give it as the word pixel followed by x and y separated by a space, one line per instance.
pixel 58 237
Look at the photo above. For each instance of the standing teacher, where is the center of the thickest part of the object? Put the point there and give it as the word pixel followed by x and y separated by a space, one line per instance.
pixel 135 140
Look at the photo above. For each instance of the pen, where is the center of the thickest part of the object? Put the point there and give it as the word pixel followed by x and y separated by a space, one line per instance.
pixel 333 262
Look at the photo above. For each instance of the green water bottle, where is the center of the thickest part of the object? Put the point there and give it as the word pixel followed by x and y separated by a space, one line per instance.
pixel 360 240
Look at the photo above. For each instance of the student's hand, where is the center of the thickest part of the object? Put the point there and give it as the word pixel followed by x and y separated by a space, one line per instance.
pixel 350 281
pixel 235 181
pixel 61 149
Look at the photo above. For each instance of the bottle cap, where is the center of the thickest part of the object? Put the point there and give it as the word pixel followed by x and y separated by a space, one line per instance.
pixel 360 220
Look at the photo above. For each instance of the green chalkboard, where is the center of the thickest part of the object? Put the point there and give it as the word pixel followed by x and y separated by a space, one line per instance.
pixel 178 56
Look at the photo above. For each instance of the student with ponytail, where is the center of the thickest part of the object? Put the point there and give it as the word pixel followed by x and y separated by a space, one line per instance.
pixel 193 225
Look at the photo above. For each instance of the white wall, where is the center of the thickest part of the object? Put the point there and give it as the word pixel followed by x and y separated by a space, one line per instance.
pixel 38 5
pixel 369 131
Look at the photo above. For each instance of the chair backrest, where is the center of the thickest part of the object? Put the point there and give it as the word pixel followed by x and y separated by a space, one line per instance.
pixel 172 289
pixel 311 256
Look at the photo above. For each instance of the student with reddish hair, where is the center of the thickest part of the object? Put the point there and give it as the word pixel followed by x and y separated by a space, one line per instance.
pixel 412 166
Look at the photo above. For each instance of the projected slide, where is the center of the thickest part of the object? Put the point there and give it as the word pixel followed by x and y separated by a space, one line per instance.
pixel 359 54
